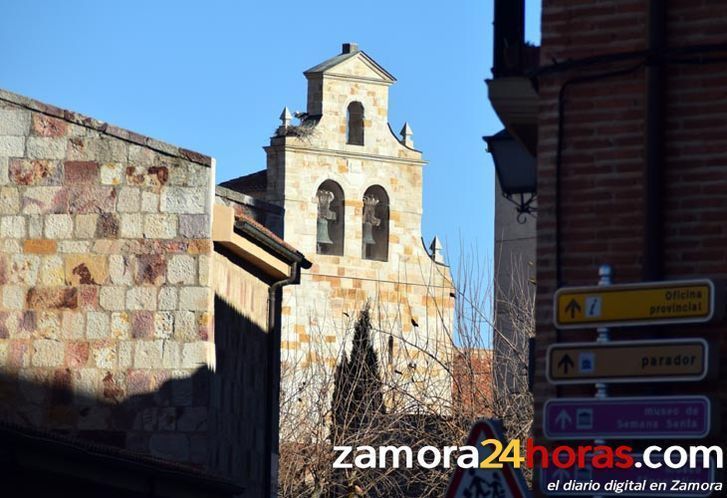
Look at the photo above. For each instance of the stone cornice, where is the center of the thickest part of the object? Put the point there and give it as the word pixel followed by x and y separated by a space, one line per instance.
pixel 344 153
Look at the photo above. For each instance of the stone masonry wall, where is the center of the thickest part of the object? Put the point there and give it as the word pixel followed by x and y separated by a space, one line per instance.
pixel 105 303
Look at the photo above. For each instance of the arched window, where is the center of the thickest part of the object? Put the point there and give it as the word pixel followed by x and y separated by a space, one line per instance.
pixel 375 232
pixel 355 124
pixel 329 229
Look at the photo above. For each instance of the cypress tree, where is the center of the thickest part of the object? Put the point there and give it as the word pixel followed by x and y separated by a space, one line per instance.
pixel 358 399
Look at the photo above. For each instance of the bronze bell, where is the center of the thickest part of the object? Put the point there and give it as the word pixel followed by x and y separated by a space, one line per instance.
pixel 324 214
pixel 368 234
pixel 322 236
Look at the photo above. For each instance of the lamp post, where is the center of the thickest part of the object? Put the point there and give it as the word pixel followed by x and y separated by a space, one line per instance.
pixel 516 172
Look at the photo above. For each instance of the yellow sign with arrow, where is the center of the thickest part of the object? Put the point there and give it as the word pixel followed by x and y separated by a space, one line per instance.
pixel 640 304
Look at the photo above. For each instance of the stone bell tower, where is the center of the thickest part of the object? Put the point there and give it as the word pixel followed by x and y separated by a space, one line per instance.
pixel 351 191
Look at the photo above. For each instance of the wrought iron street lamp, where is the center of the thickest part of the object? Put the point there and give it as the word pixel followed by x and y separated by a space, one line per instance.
pixel 516 172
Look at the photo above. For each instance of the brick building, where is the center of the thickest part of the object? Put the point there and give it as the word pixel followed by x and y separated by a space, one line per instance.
pixel 139 323
pixel 627 113
pixel 347 191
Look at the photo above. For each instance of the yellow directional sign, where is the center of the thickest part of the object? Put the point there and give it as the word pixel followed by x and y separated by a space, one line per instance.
pixel 629 305
pixel 664 360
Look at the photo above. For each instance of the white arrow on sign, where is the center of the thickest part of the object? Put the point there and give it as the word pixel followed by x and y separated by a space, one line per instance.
pixel 563 419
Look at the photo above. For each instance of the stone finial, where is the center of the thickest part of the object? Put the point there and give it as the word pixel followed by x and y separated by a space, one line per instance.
pixel 285 117
pixel 436 248
pixel 349 48
pixel 406 134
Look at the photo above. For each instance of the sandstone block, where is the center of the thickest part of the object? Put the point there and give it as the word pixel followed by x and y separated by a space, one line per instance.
pixel 132 226
pixel 129 200
pixel 108 226
pixel 120 325
pixel 148 354
pixel 112 298
pixel 141 298
pixel 12 227
pixel 163 325
pixel 185 326
pixel 142 325
pixel 168 298
pixel 204 262
pixel 39 246
pixel 160 226
pixel 182 270
pixel 52 298
pixel 47 126
pixel 58 226
pixel 10 246
pixel 126 352
pixel 34 172
pixel 88 381
pixel 149 202
pixel 41 200
pixel 35 226
pixel 80 172
pixel 112 173
pixel 86 226
pixel 77 354
pixel 194 298
pixel 104 357
pixel 194 226
pixel 183 200
pixel 120 269
pixel 45 148
pixel 91 199
pixel 97 325
pixel 51 271
pixel 150 269
pixel 24 269
pixel 4 174
pixel 86 269
pixel 12 146
pixel 171 357
pixel 9 200
pixel 194 354
pixel 74 246
pixel 48 353
pixel 73 324
pixel 14 122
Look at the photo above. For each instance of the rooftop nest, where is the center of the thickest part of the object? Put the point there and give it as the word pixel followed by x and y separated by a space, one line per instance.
pixel 304 130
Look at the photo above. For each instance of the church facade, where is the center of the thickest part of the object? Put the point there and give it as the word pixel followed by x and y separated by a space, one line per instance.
pixel 344 189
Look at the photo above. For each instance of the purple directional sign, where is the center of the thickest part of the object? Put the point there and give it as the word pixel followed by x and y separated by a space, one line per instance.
pixel 667 417
pixel 610 479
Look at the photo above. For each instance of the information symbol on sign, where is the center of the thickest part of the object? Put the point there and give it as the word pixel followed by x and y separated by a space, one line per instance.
pixel 584 418
pixel 586 362
pixel 593 306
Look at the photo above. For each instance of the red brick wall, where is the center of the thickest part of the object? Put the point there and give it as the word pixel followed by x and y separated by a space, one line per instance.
pixel 603 155
pixel 472 383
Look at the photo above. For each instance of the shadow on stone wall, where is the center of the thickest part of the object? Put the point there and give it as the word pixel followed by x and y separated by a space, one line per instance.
pixel 213 420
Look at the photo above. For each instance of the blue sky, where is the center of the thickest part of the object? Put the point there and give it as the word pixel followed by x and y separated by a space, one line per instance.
pixel 213 77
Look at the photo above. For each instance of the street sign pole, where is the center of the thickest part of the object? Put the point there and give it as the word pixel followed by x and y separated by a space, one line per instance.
pixel 604 273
